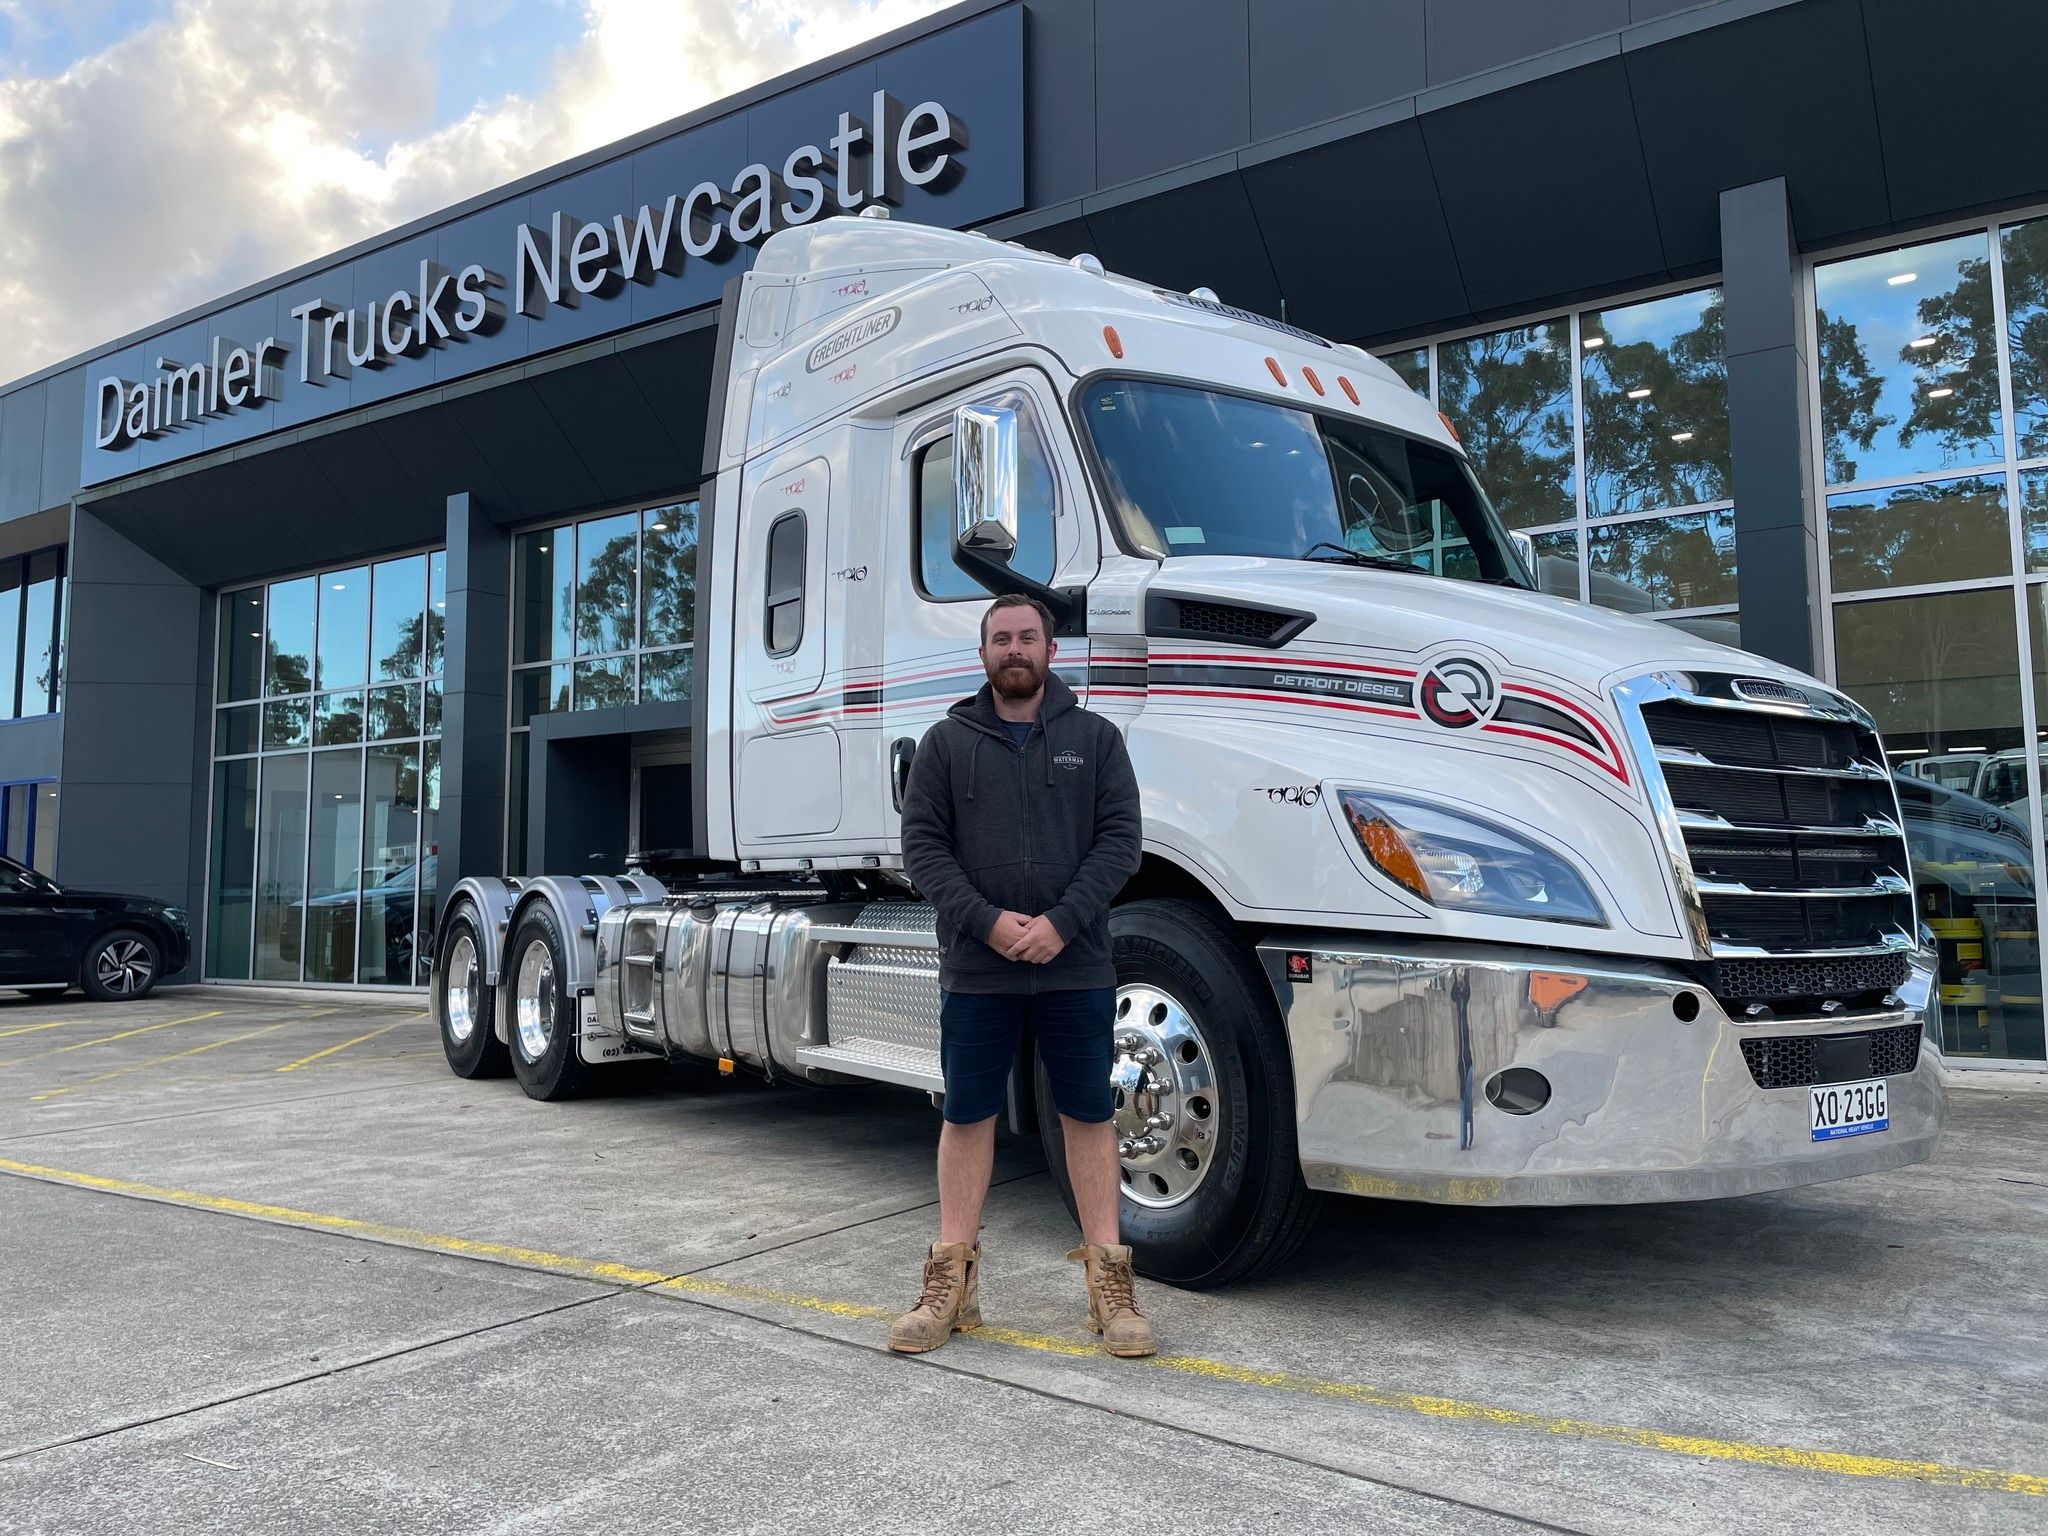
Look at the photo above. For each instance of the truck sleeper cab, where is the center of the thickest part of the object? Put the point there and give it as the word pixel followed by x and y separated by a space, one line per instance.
pixel 1451 891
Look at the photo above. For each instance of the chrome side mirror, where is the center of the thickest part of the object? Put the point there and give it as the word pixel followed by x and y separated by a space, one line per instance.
pixel 985 459
pixel 1525 547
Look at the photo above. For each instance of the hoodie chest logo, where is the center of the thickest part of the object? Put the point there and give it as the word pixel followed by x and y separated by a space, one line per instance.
pixel 1068 760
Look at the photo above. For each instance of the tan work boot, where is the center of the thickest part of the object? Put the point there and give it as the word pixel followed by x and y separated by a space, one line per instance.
pixel 951 1299
pixel 1113 1301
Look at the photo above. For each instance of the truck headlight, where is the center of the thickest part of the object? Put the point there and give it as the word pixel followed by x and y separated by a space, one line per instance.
pixel 1463 864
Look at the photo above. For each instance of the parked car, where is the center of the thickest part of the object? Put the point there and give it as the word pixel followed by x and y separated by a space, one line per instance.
pixel 330 922
pixel 117 948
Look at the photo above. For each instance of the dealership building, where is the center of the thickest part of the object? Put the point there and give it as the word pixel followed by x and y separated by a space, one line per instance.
pixel 382 572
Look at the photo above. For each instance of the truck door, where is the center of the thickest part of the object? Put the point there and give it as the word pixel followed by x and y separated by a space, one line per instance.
pixel 786 747
pixel 932 632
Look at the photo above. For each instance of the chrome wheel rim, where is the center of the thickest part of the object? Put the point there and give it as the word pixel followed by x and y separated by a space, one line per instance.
pixel 1168 1114
pixel 533 1000
pixel 123 966
pixel 461 996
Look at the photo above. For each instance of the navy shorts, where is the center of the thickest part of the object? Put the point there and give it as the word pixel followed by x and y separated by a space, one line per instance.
pixel 978 1035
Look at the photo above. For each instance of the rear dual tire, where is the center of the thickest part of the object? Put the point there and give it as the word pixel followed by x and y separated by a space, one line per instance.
pixel 466 1003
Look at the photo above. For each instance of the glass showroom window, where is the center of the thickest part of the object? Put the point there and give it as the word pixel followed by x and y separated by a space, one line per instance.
pixel 327 775
pixel 603 614
pixel 1604 436
pixel 1930 378
pixel 32 592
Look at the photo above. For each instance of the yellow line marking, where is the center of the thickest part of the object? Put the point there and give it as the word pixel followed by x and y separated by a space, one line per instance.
pixel 1787 1457
pixel 307 1061
pixel 143 1066
pixel 29 1029
pixel 126 1034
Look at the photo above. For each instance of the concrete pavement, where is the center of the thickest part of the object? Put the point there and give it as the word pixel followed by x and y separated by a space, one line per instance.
pixel 268 1262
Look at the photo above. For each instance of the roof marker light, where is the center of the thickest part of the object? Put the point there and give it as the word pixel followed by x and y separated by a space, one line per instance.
pixel 1279 375
pixel 1204 295
pixel 1092 265
pixel 1440 416
pixel 1314 383
pixel 1349 393
pixel 1114 341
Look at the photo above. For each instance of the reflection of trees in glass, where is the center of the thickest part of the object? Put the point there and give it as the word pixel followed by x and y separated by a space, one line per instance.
pixel 1413 368
pixel 1942 667
pixel 1668 448
pixel 668 583
pixel 1678 562
pixel 2026 329
pixel 605 595
pixel 1849 393
pixel 1968 422
pixel 1510 396
pixel 1918 533
pixel 288 671
pixel 404 658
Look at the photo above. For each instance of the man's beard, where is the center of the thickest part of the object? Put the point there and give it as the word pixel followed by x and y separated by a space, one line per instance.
pixel 1017 678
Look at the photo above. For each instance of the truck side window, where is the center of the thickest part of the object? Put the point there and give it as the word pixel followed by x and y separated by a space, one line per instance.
pixel 785 625
pixel 937 575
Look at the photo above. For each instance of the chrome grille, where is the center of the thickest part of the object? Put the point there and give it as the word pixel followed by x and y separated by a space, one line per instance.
pixel 1791 829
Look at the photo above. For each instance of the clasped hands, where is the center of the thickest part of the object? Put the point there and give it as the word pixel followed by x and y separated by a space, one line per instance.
pixel 1018 937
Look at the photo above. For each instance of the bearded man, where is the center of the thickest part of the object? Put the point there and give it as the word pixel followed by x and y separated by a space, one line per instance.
pixel 1020 825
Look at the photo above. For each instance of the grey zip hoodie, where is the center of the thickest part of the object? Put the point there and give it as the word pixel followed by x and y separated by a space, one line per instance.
pixel 1050 828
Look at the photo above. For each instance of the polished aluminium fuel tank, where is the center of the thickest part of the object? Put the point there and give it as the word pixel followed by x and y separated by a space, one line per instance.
pixel 789 985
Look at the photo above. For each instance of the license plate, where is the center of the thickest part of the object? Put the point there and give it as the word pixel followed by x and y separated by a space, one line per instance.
pixel 1849 1109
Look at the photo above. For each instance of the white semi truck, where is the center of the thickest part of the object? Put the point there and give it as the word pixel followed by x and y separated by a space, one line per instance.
pixel 1451 891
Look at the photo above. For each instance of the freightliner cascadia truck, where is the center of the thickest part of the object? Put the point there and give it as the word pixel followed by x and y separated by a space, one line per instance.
pixel 1451 891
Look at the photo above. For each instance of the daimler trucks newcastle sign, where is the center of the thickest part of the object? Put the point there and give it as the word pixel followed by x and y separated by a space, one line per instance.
pixel 675 219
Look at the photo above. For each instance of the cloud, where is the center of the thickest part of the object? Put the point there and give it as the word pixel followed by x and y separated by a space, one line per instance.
pixel 230 140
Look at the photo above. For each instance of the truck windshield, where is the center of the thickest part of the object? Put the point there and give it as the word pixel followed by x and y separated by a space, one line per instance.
pixel 1192 471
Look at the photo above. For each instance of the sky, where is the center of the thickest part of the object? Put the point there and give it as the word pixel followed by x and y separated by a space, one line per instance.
pixel 155 154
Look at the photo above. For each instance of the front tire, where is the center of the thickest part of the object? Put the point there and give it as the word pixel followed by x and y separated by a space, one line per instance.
pixel 121 967
pixel 465 1004
pixel 1215 1194
pixel 542 1028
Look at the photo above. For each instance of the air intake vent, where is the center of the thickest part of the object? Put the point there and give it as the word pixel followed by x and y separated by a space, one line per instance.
pixel 1171 617
pixel 1794 1061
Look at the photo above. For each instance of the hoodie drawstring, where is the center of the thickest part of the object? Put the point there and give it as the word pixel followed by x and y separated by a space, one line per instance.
pixel 973 751
pixel 1045 726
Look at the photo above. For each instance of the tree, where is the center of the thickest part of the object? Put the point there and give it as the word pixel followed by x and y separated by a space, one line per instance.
pixel 1939 532
pixel 1510 394
pixel 1962 361
pixel 1849 393
pixel 1667 448
pixel 2026 329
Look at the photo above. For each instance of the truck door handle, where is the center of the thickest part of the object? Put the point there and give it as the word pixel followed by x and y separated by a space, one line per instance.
pixel 901 751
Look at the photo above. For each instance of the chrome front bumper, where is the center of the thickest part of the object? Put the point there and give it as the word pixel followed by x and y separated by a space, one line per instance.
pixel 1393 1052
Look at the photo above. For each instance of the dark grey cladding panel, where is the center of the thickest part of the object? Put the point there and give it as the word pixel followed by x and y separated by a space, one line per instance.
pixel 1544 188
pixel 618 436
pixel 1650 10
pixel 674 378
pixel 385 503
pixel 63 407
pixel 537 463
pixel 1059 65
pixel 1806 113
pixel 21 452
pixel 109 653
pixel 32 749
pixel 1359 265
pixel 1069 237
pixel 1172 84
pixel 1960 102
pixel 1316 59
pixel 438 457
pixel 1202 235
pixel 215 527
pixel 1468 36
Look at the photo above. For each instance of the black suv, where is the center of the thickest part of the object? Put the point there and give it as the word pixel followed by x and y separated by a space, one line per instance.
pixel 116 947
